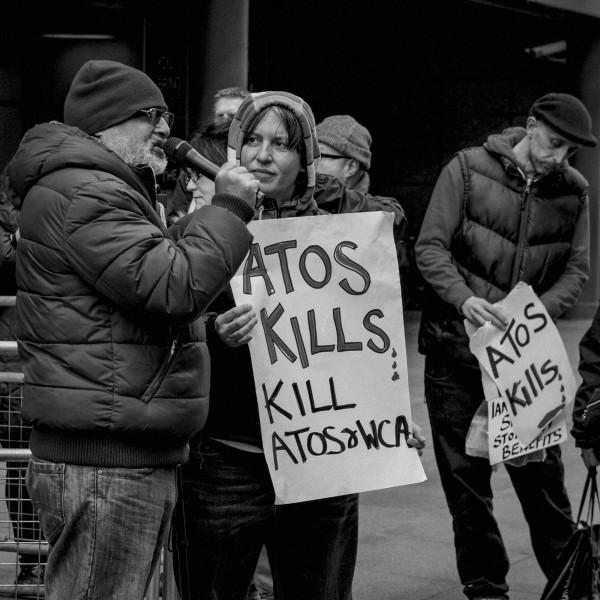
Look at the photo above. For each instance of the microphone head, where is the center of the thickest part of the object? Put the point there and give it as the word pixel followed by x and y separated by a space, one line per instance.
pixel 176 149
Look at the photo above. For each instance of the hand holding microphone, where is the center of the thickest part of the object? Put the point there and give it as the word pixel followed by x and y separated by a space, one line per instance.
pixel 229 179
pixel 237 181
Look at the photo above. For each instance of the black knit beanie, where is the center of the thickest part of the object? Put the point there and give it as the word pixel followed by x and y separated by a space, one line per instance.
pixel 567 116
pixel 104 93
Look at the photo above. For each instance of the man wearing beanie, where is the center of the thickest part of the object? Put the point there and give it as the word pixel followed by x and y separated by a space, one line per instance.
pixel 114 356
pixel 343 181
pixel 512 210
pixel 345 151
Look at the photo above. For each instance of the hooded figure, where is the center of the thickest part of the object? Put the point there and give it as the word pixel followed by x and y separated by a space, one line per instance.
pixel 227 491
pixel 302 201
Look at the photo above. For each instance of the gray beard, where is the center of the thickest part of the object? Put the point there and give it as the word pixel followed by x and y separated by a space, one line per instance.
pixel 136 154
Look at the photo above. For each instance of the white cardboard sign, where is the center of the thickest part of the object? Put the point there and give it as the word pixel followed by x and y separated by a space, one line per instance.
pixel 528 364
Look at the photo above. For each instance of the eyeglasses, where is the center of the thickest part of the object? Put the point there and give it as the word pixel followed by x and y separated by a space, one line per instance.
pixel 156 114
pixel 190 175
pixel 333 156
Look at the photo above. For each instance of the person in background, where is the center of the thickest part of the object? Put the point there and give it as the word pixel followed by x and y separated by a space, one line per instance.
pixel 228 496
pixel 512 210
pixel 113 351
pixel 343 180
pixel 227 102
pixel 345 147
pixel 212 144
pixel 192 189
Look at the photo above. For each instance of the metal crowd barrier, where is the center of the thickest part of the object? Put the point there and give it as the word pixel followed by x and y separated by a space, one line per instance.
pixel 21 541
pixel 22 547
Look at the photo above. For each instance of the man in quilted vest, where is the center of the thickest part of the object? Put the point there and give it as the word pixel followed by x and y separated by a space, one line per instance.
pixel 512 210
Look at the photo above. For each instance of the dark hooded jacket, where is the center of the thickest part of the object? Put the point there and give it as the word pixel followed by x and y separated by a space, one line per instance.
pixel 334 197
pixel 114 374
pixel 487 228
pixel 586 408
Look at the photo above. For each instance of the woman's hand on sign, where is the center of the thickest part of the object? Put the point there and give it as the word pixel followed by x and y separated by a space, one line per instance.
pixel 479 311
pixel 589 457
pixel 235 325
pixel 418 439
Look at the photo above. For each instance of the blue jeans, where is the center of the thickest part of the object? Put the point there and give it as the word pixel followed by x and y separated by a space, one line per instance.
pixel 230 514
pixel 106 527
pixel 453 392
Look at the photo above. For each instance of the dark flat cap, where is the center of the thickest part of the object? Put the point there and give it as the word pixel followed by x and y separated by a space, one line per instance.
pixel 567 116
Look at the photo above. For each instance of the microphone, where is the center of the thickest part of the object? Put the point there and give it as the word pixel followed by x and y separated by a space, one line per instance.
pixel 182 153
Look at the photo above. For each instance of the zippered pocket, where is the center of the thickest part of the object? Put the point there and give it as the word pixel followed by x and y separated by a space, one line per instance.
pixel 161 373
pixel 592 408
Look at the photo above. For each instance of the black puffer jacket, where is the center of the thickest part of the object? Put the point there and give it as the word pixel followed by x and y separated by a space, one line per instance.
pixel 114 374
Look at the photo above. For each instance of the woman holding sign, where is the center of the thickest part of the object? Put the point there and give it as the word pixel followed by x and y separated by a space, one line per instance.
pixel 228 496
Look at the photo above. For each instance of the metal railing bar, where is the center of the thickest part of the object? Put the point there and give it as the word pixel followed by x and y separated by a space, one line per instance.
pixel 8 347
pixel 15 454
pixel 22 591
pixel 8 377
pixel 34 548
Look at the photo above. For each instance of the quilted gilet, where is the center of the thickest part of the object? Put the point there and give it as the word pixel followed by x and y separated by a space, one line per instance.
pixel 511 230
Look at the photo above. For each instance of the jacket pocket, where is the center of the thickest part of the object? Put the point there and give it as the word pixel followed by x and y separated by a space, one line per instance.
pixel 156 382
pixel 46 484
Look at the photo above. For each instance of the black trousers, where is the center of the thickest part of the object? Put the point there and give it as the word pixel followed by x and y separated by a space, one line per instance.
pixel 454 392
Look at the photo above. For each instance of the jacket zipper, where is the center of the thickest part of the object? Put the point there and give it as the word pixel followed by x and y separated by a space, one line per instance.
pixel 161 374
pixel 521 240
pixel 585 410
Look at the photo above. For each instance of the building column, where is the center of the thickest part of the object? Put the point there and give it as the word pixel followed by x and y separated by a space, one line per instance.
pixel 218 55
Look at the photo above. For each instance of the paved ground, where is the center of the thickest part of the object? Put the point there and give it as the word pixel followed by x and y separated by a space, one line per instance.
pixel 406 549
